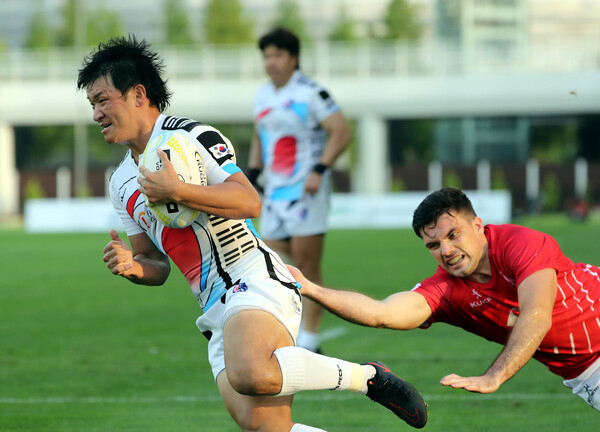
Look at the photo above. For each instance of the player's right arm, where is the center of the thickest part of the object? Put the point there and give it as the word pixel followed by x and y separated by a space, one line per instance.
pixel 404 310
pixel 142 264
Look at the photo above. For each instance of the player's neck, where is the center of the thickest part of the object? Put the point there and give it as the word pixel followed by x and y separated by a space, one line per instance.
pixel 145 128
pixel 483 272
pixel 279 85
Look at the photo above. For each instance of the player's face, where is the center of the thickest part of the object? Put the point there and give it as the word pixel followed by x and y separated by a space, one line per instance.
pixel 279 65
pixel 113 111
pixel 457 242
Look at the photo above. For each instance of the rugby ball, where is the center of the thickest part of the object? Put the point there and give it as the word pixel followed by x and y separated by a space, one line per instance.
pixel 189 167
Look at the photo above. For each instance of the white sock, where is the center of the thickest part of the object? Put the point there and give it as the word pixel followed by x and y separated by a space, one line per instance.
pixel 303 428
pixel 308 340
pixel 305 370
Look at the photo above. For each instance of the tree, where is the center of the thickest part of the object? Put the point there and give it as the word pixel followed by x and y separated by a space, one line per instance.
pixel 177 25
pixel 288 16
pixel 225 23
pixel 343 30
pixel 99 25
pixel 39 33
pixel 102 24
pixel 401 21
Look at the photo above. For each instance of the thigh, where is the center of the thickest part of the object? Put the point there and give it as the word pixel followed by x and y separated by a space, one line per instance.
pixel 281 248
pixel 253 413
pixel 306 251
pixel 250 336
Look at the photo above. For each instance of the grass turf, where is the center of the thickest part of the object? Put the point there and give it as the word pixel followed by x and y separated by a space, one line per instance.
pixel 82 350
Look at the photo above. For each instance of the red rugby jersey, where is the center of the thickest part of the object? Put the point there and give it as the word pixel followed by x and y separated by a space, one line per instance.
pixel 490 309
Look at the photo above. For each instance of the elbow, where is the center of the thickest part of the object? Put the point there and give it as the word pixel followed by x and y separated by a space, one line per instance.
pixel 346 139
pixel 547 324
pixel 253 206
pixel 543 322
pixel 254 210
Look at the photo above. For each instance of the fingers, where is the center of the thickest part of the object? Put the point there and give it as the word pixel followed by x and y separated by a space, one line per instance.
pixel 163 156
pixel 118 260
pixel 116 254
pixel 452 380
pixel 144 171
pixel 479 384
pixel 313 183
pixel 296 274
pixel 114 235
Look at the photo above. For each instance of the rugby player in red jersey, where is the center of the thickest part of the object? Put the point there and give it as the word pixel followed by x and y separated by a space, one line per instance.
pixel 507 283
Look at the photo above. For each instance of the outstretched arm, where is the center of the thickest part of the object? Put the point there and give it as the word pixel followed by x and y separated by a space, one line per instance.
pixel 537 294
pixel 401 311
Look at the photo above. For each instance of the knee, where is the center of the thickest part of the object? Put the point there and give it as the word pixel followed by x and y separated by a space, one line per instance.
pixel 264 419
pixel 254 379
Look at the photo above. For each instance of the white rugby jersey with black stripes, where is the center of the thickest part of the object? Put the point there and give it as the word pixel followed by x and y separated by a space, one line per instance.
pixel 213 252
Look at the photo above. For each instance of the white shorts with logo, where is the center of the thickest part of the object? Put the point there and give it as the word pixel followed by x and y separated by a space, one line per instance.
pixel 256 290
pixel 587 385
pixel 282 219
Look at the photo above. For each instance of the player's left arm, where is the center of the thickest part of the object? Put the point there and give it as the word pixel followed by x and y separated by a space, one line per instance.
pixel 537 294
pixel 339 137
pixel 235 198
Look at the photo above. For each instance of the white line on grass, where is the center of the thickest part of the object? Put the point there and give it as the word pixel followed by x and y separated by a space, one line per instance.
pixel 333 333
pixel 309 396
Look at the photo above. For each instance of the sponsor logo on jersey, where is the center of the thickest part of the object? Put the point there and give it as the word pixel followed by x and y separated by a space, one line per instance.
pixel 481 300
pixel 296 306
pixel 241 287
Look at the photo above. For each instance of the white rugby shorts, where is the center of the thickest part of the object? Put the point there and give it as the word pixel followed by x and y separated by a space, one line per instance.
pixel 282 219
pixel 587 385
pixel 255 291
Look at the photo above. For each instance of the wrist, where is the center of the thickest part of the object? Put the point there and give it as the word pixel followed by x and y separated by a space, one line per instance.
pixel 320 168
pixel 253 174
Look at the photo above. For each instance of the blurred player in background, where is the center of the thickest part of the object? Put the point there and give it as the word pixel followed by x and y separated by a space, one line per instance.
pixel 507 283
pixel 252 305
pixel 299 133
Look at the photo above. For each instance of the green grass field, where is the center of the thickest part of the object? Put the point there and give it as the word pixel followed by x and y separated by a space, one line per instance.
pixel 82 350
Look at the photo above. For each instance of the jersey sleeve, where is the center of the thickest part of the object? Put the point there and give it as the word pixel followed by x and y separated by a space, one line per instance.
pixel 525 251
pixel 322 104
pixel 217 154
pixel 131 227
pixel 435 290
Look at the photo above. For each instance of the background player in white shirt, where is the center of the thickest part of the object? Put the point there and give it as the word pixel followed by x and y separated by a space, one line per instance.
pixel 251 304
pixel 299 133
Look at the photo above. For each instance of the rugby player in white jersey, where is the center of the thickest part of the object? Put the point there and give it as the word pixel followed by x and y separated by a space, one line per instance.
pixel 251 304
pixel 299 133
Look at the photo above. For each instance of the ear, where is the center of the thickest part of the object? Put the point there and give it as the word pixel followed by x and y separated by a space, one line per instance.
pixel 478 224
pixel 139 91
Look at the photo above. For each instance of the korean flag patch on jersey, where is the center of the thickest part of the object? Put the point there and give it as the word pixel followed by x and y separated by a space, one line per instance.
pixel 219 150
pixel 216 145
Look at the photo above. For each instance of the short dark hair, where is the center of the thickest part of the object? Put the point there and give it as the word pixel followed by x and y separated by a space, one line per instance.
pixel 128 62
pixel 437 203
pixel 282 38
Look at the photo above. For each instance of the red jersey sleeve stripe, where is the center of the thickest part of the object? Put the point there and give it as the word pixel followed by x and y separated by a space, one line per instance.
pixel 131 203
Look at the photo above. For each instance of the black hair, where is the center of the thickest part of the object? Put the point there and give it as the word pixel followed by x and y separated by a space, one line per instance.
pixel 284 39
pixel 128 62
pixel 437 203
